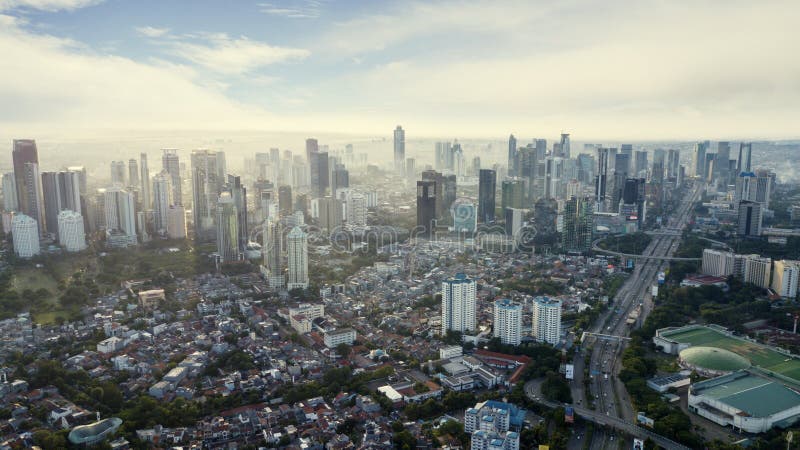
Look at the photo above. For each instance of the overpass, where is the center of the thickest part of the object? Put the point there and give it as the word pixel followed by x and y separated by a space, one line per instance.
pixel 630 256
pixel 601 419
pixel 608 337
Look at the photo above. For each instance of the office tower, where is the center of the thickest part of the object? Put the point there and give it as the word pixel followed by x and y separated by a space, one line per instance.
pixel 147 202
pixel 621 165
pixel 601 183
pixel 757 270
pixel 784 278
pixel 633 201
pixel 673 163
pixel 52 201
pixel 546 324
pixel 458 304
pixel 320 174
pixel 585 164
pixel 312 146
pixel 426 207
pixel 176 222
pixel 512 156
pixel 162 199
pixel 227 228
pixel 743 162
pixel 30 199
pixel 576 236
pixel 564 150
pixel 439 179
pixel 411 168
pixel 330 213
pixel 717 263
pixel 514 220
pixel 25 234
pixel 285 200
pixel 700 150
pixel 133 174
pixel 507 321
pixel 239 194
pixel 487 187
pixel 297 258
pixel 356 209
pixel 444 156
pixel 721 163
pixel 627 150
pixel 120 217
pixel 399 149
pixel 465 217
pixel 512 194
pixel 118 171
pixel 206 187
pixel 750 218
pixel 10 192
pixel 459 163
pixel 171 163
pixel 640 163
pixel 340 178
pixel 764 181
pixel 71 234
pixel 222 166
pixel 272 249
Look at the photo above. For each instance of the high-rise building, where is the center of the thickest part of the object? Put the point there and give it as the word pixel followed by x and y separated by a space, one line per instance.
pixel 750 219
pixel 330 213
pixel 426 207
pixel 507 321
pixel 356 207
pixel 297 259
pixel 272 250
pixel 513 194
pixel 285 200
pixel 71 234
pixel 120 217
pixel 118 171
pixel 465 217
pixel 764 181
pixel 564 150
pixel 487 188
pixel 546 324
pixel 673 163
pixel 399 149
pixel 458 304
pixel 576 236
pixel 176 222
pixel 30 198
pixel 411 168
pixel 700 149
pixel 512 156
pixel 717 263
pixel 721 163
pixel 312 146
pixel 640 163
pixel 133 174
pixel 10 192
pixel 320 174
pixel 621 165
pixel 171 163
pixel 601 184
pixel 514 221
pixel 785 277
pixel 340 178
pixel 206 188
pixel 25 235
pixel 239 194
pixel 634 195
pixel 52 201
pixel 227 228
pixel 757 270
pixel 147 202
pixel 162 199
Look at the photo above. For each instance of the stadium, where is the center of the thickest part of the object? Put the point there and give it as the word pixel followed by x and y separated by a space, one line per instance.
pixel 711 361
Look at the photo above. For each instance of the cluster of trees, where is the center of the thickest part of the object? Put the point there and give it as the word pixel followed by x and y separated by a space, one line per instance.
pixel 333 381
pixel 546 358
pixel 233 360
pixel 633 244
pixel 555 388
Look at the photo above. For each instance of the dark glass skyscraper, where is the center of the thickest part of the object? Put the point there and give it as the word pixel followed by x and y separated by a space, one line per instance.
pixel 399 149
pixel 512 156
pixel 577 234
pixel 487 188
pixel 426 207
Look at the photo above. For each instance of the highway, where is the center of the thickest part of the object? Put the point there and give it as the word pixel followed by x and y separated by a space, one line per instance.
pixel 607 392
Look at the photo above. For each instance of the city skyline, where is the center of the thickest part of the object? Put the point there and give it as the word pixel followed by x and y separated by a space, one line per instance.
pixel 451 68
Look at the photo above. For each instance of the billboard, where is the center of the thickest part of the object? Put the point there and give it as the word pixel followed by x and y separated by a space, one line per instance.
pixel 638 444
pixel 544 447
pixel 569 414
pixel 570 372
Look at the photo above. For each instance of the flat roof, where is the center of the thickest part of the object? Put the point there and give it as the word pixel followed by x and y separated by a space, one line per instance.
pixel 756 395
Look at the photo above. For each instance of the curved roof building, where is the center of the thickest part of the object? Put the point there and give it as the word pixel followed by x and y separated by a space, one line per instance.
pixel 712 360
pixel 95 432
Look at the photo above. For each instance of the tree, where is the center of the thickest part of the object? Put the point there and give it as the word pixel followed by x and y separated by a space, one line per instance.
pixel 343 350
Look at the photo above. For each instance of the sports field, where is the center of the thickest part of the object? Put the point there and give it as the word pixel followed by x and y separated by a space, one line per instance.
pixel 757 354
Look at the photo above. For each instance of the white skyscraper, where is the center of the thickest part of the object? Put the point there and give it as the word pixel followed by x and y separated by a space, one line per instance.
pixel 70 231
pixel 546 324
pixel 458 304
pixel 162 198
pixel 508 321
pixel 145 180
pixel 356 205
pixel 757 270
pixel 176 222
pixel 120 217
pixel 227 228
pixel 297 249
pixel 272 249
pixel 25 234
pixel 10 192
pixel 717 263
pixel 118 170
pixel 785 278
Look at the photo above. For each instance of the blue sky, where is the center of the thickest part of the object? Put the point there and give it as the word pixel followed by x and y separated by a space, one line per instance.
pixel 618 69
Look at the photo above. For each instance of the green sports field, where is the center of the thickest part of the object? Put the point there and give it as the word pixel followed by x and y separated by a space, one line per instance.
pixel 757 354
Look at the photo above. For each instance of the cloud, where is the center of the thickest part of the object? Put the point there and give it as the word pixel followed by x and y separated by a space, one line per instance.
pixel 152 32
pixel 47 5
pixel 304 9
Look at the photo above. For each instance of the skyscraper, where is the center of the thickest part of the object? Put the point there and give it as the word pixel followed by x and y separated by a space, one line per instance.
pixel 487 188
pixel 147 202
pixel 399 149
pixel 120 217
pixel 285 200
pixel 721 163
pixel 601 183
pixel 297 258
pixel 30 198
pixel 546 323
pixel 118 171
pixel 10 192
pixel 52 201
pixel 513 194
pixel 176 222
pixel 640 164
pixel 576 236
pixel 514 221
pixel 785 278
pixel 206 187
pixel 171 163
pixel 750 218
pixel 239 194
pixel 426 207
pixel 458 304
pixel 564 147
pixel 507 321
pixel 330 213
pixel 25 236
pixel 227 228
pixel 320 174
pixel 162 199
pixel 133 174
pixel 71 234
pixel 512 156
pixel 272 249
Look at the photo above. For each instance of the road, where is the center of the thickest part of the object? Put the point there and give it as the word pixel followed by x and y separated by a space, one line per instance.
pixel 607 392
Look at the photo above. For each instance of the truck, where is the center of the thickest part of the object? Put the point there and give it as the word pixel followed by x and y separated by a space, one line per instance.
pixel 654 290
pixel 661 278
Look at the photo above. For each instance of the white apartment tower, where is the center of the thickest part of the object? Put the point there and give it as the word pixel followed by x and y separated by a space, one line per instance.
pixel 546 324
pixel 297 249
pixel 25 234
pixel 757 270
pixel 785 277
pixel 70 231
pixel 508 321
pixel 176 222
pixel 717 263
pixel 458 304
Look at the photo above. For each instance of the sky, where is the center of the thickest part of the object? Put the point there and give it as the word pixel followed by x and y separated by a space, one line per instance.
pixel 615 69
